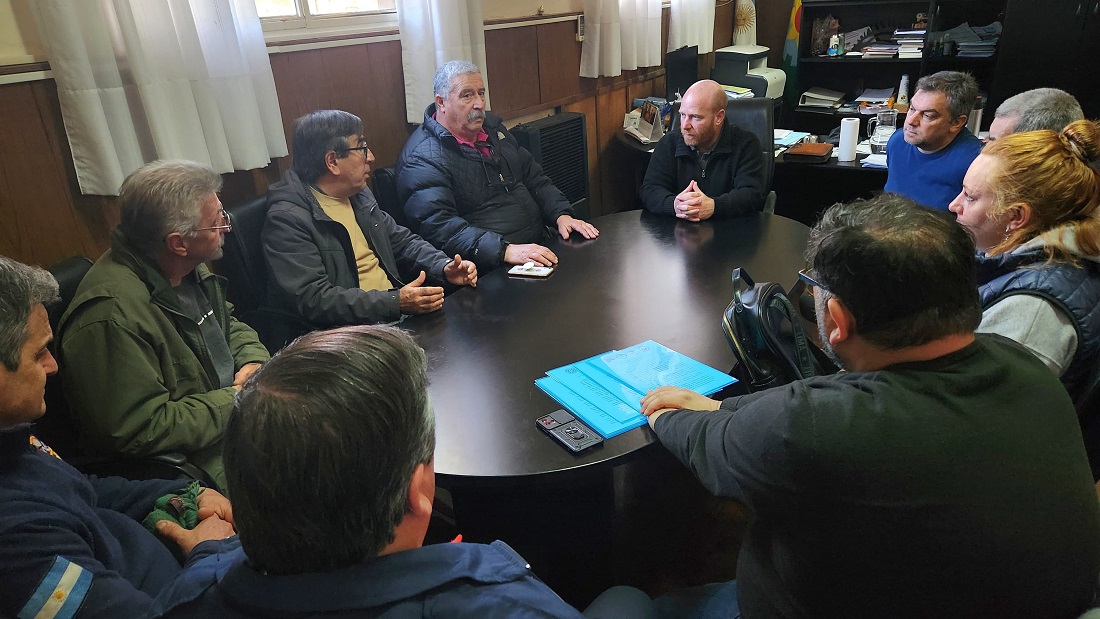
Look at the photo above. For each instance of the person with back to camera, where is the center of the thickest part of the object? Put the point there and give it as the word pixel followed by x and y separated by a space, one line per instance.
pixel 331 451
pixel 1032 202
pixel 941 475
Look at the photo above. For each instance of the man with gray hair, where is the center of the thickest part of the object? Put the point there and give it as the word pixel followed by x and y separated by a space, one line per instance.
pixel 1033 110
pixel 471 189
pixel 151 354
pixel 927 161
pixel 72 545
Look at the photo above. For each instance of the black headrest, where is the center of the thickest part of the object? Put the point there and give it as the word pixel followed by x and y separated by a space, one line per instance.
pixel 68 273
pixel 385 191
pixel 243 260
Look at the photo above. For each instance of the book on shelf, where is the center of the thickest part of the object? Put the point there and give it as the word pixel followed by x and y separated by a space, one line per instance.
pixel 820 97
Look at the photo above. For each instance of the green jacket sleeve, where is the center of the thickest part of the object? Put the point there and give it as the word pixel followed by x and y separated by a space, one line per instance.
pixel 121 390
pixel 244 343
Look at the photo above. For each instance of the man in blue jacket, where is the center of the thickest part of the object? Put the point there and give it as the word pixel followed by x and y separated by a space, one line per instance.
pixel 344 535
pixel 72 545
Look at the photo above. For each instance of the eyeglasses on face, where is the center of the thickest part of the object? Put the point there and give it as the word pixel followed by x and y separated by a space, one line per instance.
pixel 806 277
pixel 361 147
pixel 225 223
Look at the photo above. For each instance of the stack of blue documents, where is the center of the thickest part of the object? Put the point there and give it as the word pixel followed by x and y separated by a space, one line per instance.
pixel 606 391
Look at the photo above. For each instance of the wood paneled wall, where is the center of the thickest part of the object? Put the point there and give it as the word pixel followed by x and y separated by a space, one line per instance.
pixel 530 68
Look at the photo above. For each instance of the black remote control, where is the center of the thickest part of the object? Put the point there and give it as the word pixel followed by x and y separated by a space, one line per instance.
pixel 571 432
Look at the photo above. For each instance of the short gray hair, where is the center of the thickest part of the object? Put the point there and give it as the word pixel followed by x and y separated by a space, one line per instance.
pixel 163 197
pixel 446 74
pixel 22 288
pixel 961 90
pixel 1041 108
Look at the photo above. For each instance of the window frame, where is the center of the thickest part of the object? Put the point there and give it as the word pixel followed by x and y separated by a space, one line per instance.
pixel 280 29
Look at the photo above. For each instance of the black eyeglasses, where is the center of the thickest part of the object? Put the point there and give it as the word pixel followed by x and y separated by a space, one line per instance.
pixel 362 147
pixel 225 223
pixel 804 276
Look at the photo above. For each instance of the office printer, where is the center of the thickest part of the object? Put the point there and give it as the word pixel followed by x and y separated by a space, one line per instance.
pixel 746 66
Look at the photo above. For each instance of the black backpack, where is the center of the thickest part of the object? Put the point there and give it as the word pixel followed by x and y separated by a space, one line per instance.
pixel 764 329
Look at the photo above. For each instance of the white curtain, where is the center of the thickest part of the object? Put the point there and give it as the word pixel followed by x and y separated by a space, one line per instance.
pixel 167 79
pixel 434 32
pixel 691 22
pixel 620 34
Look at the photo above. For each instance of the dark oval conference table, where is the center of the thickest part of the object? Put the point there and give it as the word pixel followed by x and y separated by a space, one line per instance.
pixel 645 277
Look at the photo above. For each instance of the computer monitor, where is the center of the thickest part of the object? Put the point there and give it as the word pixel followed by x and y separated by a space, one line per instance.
pixel 681 70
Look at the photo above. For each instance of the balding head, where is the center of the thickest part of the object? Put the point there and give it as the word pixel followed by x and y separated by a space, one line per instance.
pixel 702 113
pixel 707 93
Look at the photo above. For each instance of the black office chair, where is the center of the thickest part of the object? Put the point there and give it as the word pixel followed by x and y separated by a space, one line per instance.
pixel 243 265
pixel 385 191
pixel 58 428
pixel 756 115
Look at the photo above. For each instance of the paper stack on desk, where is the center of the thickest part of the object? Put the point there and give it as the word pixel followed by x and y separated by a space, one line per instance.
pixel 606 391
pixel 877 160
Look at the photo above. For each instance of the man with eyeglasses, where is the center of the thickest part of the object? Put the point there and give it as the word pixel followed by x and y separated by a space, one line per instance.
pixel 334 257
pixel 942 475
pixel 471 188
pixel 151 354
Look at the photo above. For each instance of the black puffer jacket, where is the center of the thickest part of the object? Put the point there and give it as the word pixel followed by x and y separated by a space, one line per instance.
pixel 464 203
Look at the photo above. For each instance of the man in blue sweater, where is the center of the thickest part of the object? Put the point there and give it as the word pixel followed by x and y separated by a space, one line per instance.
pixel 928 159
pixel 72 545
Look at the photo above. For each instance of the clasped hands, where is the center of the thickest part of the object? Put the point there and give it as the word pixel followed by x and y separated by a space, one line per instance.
pixel 416 298
pixel 215 523
pixel 692 204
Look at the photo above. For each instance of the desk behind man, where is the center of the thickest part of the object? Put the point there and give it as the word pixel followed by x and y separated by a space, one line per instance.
pixel 942 475
pixel 929 157
pixel 708 167
pixel 471 188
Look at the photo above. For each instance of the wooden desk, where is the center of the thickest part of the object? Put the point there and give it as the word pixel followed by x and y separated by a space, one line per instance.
pixel 804 190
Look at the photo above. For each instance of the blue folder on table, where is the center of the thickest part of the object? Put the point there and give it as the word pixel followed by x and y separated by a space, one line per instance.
pixel 605 391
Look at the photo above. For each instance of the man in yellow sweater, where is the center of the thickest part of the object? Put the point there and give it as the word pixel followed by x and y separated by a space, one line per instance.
pixel 334 257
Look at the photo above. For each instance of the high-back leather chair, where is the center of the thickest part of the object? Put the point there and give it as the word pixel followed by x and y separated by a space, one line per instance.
pixel 385 191
pixel 60 430
pixel 242 261
pixel 757 116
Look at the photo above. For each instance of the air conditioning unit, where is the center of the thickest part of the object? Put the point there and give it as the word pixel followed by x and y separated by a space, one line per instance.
pixel 559 144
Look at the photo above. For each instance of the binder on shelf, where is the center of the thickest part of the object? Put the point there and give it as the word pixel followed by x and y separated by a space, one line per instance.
pixel 821 97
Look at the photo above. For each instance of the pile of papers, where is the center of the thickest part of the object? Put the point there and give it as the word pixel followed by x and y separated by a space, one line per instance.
pixel 979 42
pixel 880 49
pixel 606 391
pixel 874 161
pixel 786 137
pixel 737 92
pixel 910 42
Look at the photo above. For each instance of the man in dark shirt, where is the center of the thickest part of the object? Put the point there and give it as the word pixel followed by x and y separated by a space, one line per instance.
pixel 72 545
pixel 708 167
pixel 943 474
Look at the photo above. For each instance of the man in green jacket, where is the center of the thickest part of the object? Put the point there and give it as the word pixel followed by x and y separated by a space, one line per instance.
pixel 152 355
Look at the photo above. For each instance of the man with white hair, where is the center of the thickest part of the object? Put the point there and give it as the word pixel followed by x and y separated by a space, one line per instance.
pixel 1035 109
pixel 471 189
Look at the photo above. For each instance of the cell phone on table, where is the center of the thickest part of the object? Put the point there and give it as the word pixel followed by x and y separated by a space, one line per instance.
pixel 568 431
pixel 531 269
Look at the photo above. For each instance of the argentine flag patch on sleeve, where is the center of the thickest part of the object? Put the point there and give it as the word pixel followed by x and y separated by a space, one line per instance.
pixel 60 593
